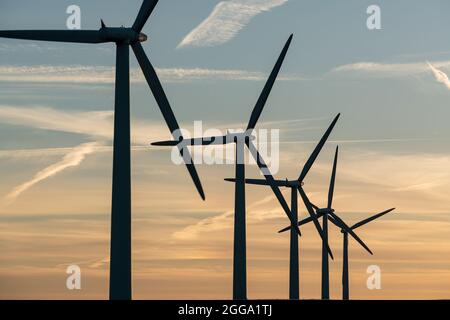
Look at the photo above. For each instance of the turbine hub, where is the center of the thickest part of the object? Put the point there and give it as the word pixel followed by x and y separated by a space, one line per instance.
pixel 142 37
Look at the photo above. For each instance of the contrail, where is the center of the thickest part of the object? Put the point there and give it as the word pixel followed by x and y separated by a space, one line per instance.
pixel 378 69
pixel 440 75
pixel 71 159
pixel 226 20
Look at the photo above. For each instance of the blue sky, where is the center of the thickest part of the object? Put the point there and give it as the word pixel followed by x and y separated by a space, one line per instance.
pixel 327 35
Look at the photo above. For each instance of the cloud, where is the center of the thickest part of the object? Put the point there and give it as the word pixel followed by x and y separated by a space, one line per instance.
pixel 226 20
pixel 410 182
pixel 388 69
pixel 352 141
pixel 71 159
pixel 92 123
pixel 95 263
pixel 440 76
pixel 97 125
pixel 40 152
pixel 27 47
pixel 225 220
pixel 100 263
pixel 391 70
pixel 106 75
pixel 47 152
pixel 365 181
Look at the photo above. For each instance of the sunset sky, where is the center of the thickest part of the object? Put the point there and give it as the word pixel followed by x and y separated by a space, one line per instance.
pixel 390 85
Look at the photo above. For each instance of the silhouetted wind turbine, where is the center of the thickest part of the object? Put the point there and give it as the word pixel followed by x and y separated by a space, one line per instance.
pixel 120 265
pixel 345 263
pixel 328 213
pixel 241 140
pixel 296 185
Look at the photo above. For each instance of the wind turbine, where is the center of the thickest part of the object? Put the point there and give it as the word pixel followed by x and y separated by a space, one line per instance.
pixel 296 185
pixel 345 264
pixel 242 139
pixel 328 213
pixel 120 265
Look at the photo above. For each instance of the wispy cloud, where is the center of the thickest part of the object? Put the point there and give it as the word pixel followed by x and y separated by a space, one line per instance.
pixel 355 141
pixel 97 125
pixel 37 47
pixel 376 69
pixel 440 75
pixel 224 220
pixel 95 263
pixel 91 123
pixel 226 20
pixel 71 159
pixel 50 152
pixel 366 180
pixel 39 152
pixel 27 47
pixel 106 75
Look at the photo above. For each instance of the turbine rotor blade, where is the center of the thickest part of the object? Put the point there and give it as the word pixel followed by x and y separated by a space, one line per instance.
pixel 169 143
pixel 314 217
pixel 337 224
pixel 347 229
pixel 205 141
pixel 270 180
pixel 260 182
pixel 75 36
pixel 365 221
pixel 144 13
pixel 312 158
pixel 333 179
pixel 257 110
pixel 166 110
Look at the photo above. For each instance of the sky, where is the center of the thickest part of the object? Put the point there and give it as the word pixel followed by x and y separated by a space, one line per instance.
pixel 390 85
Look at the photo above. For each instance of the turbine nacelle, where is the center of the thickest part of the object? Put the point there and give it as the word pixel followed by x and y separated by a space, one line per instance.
pixel 323 211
